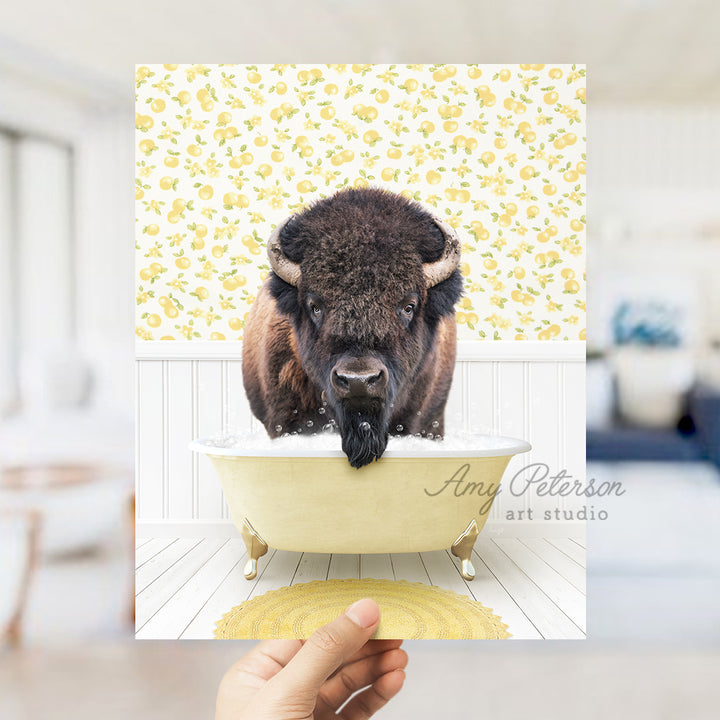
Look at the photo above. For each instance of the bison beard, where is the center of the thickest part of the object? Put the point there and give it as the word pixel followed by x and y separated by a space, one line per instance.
pixel 364 434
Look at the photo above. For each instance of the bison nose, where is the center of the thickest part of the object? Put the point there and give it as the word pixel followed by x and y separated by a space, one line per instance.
pixel 359 384
pixel 359 378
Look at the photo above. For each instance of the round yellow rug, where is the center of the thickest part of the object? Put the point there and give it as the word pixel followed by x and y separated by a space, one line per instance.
pixel 410 611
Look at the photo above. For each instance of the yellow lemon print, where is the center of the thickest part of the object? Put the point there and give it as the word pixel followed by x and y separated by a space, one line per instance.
pixel 225 152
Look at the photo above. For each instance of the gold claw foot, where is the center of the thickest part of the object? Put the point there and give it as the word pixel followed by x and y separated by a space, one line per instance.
pixel 250 569
pixel 467 570
pixel 256 548
pixel 462 548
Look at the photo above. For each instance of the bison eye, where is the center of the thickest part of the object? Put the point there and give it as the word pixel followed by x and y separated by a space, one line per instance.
pixel 315 309
pixel 406 309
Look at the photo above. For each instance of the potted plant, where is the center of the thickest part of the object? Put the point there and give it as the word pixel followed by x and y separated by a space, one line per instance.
pixel 653 365
pixel 599 398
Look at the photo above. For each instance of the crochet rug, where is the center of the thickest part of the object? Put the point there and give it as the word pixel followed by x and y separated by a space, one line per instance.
pixel 409 611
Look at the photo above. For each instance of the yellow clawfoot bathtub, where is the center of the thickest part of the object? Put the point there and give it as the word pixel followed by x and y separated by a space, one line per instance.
pixel 408 501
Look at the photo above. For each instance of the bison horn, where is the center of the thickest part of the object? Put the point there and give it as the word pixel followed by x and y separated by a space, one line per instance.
pixel 442 269
pixel 283 267
pixel 435 272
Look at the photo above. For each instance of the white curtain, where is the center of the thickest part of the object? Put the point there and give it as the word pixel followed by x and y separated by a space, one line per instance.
pixel 45 263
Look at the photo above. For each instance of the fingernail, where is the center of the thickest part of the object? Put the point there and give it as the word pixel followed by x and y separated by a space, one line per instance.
pixel 364 613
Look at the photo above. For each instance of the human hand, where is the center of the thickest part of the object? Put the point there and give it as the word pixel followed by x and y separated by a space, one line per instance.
pixel 312 679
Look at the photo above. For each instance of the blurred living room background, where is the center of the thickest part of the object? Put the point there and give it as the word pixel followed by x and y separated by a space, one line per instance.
pixel 66 356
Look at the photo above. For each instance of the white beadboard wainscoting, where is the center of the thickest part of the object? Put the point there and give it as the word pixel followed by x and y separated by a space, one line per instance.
pixel 530 390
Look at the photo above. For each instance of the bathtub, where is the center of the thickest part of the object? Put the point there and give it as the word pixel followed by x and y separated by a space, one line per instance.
pixel 308 500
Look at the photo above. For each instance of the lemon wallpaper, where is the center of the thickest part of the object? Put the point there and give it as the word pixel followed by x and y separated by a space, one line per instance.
pixel 224 152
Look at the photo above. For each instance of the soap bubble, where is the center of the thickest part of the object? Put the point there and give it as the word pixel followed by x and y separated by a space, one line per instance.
pixel 247 442
pixel 399 428
pixel 435 424
pixel 309 423
pixel 365 426
pixel 278 428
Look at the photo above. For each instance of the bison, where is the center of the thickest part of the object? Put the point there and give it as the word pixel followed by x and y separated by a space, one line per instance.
pixel 355 325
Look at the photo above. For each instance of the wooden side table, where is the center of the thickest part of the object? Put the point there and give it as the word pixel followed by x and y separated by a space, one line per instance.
pixel 28 526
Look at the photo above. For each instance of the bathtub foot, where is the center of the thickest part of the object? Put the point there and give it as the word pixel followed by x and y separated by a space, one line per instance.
pixel 463 547
pixel 256 548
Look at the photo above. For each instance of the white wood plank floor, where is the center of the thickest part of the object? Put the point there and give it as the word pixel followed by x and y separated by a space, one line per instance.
pixel 536 585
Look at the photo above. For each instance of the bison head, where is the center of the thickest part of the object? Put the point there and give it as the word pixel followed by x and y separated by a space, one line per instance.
pixel 365 276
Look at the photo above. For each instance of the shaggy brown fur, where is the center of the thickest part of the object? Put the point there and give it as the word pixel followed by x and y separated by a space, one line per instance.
pixel 361 254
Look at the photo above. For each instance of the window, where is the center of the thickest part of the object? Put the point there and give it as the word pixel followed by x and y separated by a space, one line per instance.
pixel 37 282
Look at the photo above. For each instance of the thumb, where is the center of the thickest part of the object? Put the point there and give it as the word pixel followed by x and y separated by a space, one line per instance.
pixel 328 648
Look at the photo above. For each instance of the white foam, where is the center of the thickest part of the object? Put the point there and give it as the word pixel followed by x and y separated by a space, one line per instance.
pixel 258 444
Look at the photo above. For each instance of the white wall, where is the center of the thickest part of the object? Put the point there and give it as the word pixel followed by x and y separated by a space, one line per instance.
pixel 7 319
pixel 105 254
pixel 531 390
pixel 654 212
